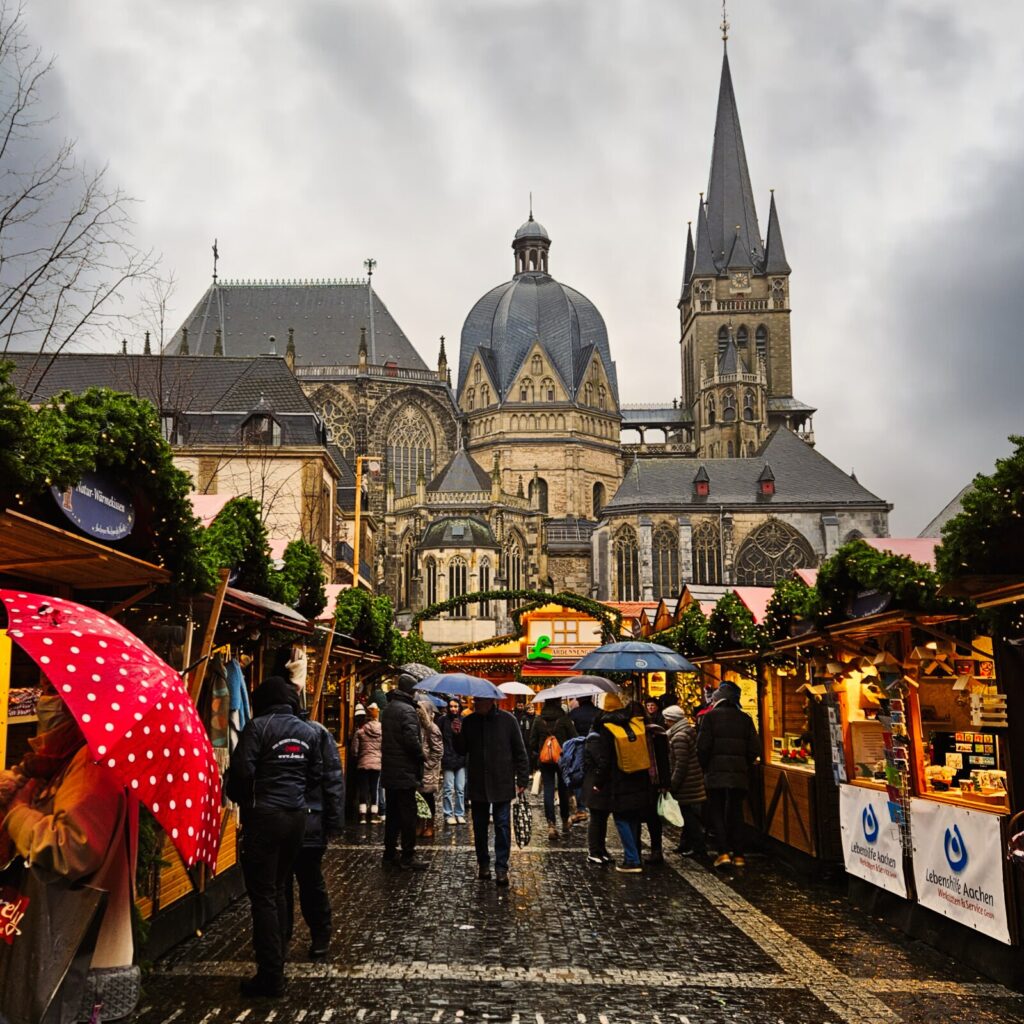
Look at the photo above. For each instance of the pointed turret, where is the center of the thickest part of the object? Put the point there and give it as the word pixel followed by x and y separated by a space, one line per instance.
pixel 148 349
pixel 218 343
pixel 739 259
pixel 730 197
pixel 442 363
pixel 774 251
pixel 688 264
pixel 704 260
pixel 183 347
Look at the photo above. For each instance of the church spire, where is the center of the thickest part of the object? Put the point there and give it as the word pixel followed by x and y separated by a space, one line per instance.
pixel 730 202
pixel 774 251
pixel 688 265
pixel 704 259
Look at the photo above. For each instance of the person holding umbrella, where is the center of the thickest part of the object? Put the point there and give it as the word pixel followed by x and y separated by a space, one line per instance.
pixel 276 763
pixel 497 770
pixel 552 729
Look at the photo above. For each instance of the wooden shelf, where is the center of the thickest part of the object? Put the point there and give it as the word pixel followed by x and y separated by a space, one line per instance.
pixel 21 719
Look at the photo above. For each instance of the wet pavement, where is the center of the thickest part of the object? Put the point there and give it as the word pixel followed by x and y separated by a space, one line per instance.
pixel 570 943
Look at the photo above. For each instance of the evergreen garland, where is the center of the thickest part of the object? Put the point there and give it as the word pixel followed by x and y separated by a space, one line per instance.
pixel 237 540
pixel 731 626
pixel 303 579
pixel 791 601
pixel 689 636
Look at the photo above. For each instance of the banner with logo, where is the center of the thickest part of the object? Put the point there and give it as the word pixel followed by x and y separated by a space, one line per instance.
pixel 958 865
pixel 871 840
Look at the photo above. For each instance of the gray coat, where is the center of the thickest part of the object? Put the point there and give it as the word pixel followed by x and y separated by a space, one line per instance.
pixel 687 780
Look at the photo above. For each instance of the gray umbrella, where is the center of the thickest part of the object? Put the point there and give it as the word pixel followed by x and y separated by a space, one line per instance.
pixel 417 670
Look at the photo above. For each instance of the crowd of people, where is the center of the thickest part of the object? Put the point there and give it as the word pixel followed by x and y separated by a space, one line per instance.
pixel 617 762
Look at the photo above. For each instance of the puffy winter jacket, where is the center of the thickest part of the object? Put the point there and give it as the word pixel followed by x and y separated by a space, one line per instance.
pixel 496 760
pixel 552 721
pixel 452 760
pixel 366 745
pixel 327 801
pixel 401 751
pixel 687 782
pixel 727 746
pixel 625 792
pixel 276 763
pixel 433 750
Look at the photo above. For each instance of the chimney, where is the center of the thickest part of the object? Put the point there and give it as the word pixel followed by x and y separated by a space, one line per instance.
pixel 183 347
pixel 218 342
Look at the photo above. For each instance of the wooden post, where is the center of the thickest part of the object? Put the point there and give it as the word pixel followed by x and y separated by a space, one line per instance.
pixel 357 525
pixel 211 630
pixel 321 673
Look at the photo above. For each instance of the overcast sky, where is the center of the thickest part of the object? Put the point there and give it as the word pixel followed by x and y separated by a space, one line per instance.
pixel 308 135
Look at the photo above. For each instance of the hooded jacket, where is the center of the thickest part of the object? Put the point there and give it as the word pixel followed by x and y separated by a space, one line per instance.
pixel 687 781
pixel 552 721
pixel 496 760
pixel 433 749
pixel 366 745
pixel 401 750
pixel 727 745
pixel 452 760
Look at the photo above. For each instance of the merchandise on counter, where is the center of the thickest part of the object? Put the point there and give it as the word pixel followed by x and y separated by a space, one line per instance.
pixel 22 702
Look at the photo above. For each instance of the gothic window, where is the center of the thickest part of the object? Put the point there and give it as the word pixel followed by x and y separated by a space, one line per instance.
pixel 547 389
pixel 261 429
pixel 469 399
pixel 602 397
pixel 627 565
pixel 339 418
pixel 771 553
pixel 778 292
pixel 514 564
pixel 707 553
pixel 742 336
pixel 704 295
pixel 711 410
pixel 458 574
pixel 730 450
pixel 728 406
pixel 410 450
pixel 476 374
pixel 750 449
pixel 595 370
pixel 723 340
pixel 430 571
pixel 666 562
pixel 485 396
pixel 853 535
pixel 599 499
pixel 539 486
pixel 406 595
pixel 588 393
pixel 749 408
pixel 761 342
pixel 526 390
pixel 536 366
pixel 485 584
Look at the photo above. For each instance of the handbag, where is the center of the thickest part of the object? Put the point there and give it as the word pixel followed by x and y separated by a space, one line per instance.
pixel 669 809
pixel 48 930
pixel 422 807
pixel 522 820
pixel 535 784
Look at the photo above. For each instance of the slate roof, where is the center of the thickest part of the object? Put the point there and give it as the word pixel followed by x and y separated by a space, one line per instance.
pixel 213 396
pixel 326 317
pixel 954 508
pixel 803 476
pixel 458 532
pixel 463 473
pixel 655 415
pixel 774 251
pixel 786 403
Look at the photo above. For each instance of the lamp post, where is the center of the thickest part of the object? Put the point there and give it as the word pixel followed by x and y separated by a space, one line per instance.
pixel 374 470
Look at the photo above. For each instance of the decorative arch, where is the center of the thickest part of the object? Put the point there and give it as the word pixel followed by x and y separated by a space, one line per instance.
pixel 536 365
pixel 770 553
pixel 339 416
pixel 853 535
pixel 626 551
pixel 539 486
pixel 409 403
pixel 665 549
pixel 707 553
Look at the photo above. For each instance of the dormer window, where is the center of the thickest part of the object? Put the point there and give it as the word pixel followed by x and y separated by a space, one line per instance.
pixel 391 368
pixel 262 429
pixel 766 482
pixel 173 428
pixel 702 483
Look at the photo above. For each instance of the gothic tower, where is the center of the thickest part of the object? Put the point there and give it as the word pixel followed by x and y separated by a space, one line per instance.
pixel 734 308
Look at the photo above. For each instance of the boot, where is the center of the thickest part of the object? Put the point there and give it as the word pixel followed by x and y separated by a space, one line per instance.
pixel 375 818
pixel 364 818
pixel 428 830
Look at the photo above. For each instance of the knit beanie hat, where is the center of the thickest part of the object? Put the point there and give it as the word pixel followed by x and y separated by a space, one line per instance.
pixel 673 713
pixel 406 682
pixel 360 711
pixel 727 691
pixel 274 690
pixel 374 712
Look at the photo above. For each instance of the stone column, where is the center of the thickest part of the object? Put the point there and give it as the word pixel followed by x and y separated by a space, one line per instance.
pixel 599 547
pixel 728 551
pixel 646 561
pixel 685 549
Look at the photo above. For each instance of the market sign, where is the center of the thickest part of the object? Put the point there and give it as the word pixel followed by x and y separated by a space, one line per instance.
pixel 871 840
pixel 958 865
pixel 97 506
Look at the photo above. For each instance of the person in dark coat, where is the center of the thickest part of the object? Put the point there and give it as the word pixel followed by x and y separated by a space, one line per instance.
pixel 453 769
pixel 598 802
pixel 497 770
pixel 660 775
pixel 727 746
pixel 276 764
pixel 401 774
pixel 582 717
pixel 686 782
pixel 628 791
pixel 552 721
pixel 326 818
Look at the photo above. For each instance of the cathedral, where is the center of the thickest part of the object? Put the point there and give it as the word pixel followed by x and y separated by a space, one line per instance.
pixel 510 468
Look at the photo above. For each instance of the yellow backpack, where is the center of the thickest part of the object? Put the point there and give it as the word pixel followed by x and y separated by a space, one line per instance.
pixel 631 753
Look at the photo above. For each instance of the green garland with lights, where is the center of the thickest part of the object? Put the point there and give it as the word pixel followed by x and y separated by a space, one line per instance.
pixel 791 601
pixel 731 626
pixel 689 636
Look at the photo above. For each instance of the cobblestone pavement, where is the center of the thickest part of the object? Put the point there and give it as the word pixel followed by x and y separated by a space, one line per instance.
pixel 569 943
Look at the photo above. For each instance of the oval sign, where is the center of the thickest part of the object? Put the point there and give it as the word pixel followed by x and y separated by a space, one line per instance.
pixel 97 507
pixel 641 663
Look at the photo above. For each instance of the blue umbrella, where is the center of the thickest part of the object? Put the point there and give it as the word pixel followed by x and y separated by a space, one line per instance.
pixel 429 698
pixel 634 656
pixel 458 684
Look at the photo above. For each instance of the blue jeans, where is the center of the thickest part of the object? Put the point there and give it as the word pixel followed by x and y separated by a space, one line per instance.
pixel 551 776
pixel 502 814
pixel 628 826
pixel 454 785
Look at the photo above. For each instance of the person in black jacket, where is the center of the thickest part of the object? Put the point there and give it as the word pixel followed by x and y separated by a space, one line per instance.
pixel 453 769
pixel 552 722
pixel 401 773
pixel 276 763
pixel 497 770
pixel 582 717
pixel 727 747
pixel 326 819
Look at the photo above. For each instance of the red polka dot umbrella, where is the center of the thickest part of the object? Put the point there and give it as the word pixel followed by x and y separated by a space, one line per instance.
pixel 133 709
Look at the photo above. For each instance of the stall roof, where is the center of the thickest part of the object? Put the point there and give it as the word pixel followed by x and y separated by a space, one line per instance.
pixel 806 576
pixel 32 550
pixel 207 506
pixel 280 616
pixel 920 549
pixel 755 600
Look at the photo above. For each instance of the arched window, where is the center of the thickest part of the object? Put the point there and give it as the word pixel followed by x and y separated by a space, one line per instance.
pixel 430 571
pixel 485 396
pixel 771 553
pixel 595 370
pixel 728 406
pixel 407 595
pixel 485 584
pixel 761 342
pixel 599 499
pixel 476 374
pixel 602 397
pixel 410 449
pixel 627 565
pixel 458 575
pixel 539 486
pixel 536 366
pixel 547 389
pixel 742 336
pixel 707 553
pixel 469 399
pixel 723 339
pixel 666 562
pixel 730 450
pixel 514 564
pixel 778 292
pixel 749 406
pixel 526 390
pixel 588 393
pixel 711 410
